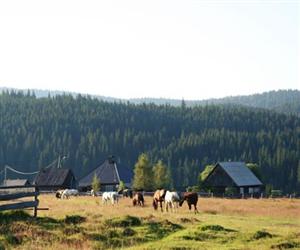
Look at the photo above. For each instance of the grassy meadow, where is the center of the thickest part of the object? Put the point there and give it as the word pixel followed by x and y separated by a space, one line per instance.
pixel 84 223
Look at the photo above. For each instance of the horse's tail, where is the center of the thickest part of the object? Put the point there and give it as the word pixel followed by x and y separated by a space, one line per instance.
pixel 155 205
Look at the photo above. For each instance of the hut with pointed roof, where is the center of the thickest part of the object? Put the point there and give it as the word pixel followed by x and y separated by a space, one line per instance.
pixel 109 174
pixel 234 175
pixel 51 179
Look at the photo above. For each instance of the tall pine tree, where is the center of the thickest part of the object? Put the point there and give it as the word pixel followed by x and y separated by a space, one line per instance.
pixel 143 175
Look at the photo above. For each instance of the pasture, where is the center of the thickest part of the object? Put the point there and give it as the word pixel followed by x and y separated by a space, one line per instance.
pixel 84 223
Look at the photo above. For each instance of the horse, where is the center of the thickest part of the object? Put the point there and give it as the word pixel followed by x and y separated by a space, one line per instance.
pixel 159 197
pixel 138 199
pixel 59 193
pixel 126 193
pixel 191 198
pixel 69 192
pixel 172 199
pixel 113 197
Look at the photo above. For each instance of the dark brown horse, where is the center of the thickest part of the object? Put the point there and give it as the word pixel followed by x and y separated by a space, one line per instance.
pixel 159 197
pixel 138 199
pixel 191 198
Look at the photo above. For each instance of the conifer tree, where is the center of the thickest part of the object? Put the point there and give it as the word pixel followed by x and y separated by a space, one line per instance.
pixel 143 175
pixel 161 175
pixel 96 184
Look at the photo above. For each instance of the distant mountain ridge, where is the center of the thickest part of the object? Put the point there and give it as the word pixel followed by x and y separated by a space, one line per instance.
pixel 284 101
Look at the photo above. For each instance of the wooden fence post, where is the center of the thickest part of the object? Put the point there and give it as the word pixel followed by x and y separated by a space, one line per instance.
pixel 37 201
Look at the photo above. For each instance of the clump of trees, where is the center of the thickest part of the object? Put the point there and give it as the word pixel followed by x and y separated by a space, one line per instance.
pixel 148 177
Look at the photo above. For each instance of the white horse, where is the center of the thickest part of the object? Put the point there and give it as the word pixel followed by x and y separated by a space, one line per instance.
pixel 113 197
pixel 69 192
pixel 172 199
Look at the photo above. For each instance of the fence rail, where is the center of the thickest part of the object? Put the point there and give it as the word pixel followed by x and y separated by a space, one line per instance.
pixel 13 193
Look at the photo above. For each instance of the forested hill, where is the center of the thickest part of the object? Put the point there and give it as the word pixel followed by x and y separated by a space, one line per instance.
pixel 34 131
pixel 283 101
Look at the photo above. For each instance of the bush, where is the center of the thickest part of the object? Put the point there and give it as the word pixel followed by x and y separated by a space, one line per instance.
pixel 286 245
pixel 126 221
pixel 261 235
pixel 74 219
pixel 128 231
pixel 276 193
pixel 216 228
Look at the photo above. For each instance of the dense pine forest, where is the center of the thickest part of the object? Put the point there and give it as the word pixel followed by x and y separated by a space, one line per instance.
pixel 34 131
pixel 283 101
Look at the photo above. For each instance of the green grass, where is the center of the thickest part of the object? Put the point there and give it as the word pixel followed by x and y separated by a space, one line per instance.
pixel 93 226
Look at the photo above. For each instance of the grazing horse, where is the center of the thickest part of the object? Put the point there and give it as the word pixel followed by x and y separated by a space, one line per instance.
pixel 113 197
pixel 159 197
pixel 59 193
pixel 138 199
pixel 127 193
pixel 172 199
pixel 191 198
pixel 69 192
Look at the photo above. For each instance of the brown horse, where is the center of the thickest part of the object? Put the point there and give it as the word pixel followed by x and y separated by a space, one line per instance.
pixel 159 197
pixel 138 199
pixel 191 198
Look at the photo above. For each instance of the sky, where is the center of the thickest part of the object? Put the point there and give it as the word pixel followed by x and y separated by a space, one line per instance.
pixel 133 49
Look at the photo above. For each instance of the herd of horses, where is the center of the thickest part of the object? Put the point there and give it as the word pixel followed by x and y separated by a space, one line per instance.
pixel 170 199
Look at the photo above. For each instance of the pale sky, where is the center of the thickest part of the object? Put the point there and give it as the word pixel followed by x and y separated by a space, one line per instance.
pixel 172 49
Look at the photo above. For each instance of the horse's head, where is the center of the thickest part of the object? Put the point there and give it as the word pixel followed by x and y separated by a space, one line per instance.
pixel 134 202
pixel 154 204
pixel 181 199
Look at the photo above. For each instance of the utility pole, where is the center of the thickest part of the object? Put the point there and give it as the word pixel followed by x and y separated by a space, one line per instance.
pixel 58 162
pixel 5 170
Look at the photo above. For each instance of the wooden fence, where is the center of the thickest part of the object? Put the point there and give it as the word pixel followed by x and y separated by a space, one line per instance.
pixel 14 193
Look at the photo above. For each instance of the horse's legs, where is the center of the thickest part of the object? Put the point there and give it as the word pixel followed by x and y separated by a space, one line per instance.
pixel 190 206
pixel 195 209
pixel 166 206
pixel 161 206
pixel 175 205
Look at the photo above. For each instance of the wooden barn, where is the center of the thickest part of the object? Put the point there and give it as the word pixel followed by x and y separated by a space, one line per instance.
pixel 110 174
pixel 54 178
pixel 16 182
pixel 235 175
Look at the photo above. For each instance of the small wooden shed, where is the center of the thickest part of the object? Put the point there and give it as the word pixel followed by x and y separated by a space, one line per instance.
pixel 55 178
pixel 233 175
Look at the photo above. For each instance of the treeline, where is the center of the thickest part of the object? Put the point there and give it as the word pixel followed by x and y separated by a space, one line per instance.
pixel 34 131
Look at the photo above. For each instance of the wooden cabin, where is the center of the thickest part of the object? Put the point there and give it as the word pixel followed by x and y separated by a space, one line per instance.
pixel 235 175
pixel 51 179
pixel 109 174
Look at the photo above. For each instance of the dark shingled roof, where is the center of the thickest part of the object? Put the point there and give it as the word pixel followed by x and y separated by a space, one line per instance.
pixel 16 182
pixel 108 173
pixel 240 173
pixel 52 176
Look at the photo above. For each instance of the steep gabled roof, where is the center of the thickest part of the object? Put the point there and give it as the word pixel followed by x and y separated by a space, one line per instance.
pixel 108 173
pixel 16 182
pixel 52 176
pixel 240 173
